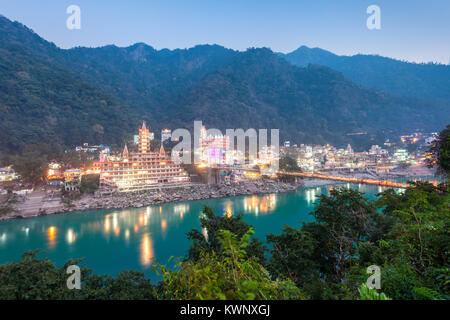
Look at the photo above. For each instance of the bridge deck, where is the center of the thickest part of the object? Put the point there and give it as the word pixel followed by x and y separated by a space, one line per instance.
pixel 385 183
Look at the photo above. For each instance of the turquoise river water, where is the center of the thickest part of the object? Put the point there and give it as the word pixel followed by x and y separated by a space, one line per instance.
pixel 114 240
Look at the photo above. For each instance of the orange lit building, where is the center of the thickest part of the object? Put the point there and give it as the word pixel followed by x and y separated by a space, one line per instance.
pixel 72 179
pixel 143 170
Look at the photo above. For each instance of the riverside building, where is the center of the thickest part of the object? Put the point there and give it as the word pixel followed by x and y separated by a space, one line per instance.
pixel 213 149
pixel 142 170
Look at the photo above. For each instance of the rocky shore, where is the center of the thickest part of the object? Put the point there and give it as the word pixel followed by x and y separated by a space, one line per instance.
pixel 196 192
pixel 155 197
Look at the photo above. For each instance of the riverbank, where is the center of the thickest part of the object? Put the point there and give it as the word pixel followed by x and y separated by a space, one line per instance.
pixel 31 207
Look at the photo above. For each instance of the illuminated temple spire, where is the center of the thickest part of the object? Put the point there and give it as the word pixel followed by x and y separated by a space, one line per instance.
pixel 161 150
pixel 125 151
pixel 144 139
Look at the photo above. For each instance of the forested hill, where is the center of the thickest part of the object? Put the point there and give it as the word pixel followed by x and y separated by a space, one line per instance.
pixel 315 104
pixel 100 95
pixel 43 103
pixel 427 81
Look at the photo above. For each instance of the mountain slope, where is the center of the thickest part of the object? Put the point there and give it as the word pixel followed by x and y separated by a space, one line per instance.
pixel 424 81
pixel 314 104
pixel 42 103
pixel 139 76
pixel 99 95
pixel 143 77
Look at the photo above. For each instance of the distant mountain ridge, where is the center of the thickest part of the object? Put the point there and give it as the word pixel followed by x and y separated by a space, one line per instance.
pixel 427 81
pixel 101 94
pixel 315 104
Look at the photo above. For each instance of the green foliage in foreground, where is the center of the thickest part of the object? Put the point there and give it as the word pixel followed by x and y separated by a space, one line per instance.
pixel 39 279
pixel 371 294
pixel 212 243
pixel 232 275
pixel 406 234
pixel 440 152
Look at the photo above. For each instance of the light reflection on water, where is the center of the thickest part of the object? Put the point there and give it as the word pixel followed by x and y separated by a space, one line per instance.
pixel 147 253
pixel 116 240
pixel 51 236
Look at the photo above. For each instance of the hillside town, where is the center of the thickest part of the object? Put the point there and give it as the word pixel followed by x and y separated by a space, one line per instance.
pixel 156 178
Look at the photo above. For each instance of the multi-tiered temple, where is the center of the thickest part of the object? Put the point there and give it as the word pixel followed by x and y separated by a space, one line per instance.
pixel 144 170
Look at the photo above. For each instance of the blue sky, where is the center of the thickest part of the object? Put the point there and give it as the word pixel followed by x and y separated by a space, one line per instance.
pixel 413 30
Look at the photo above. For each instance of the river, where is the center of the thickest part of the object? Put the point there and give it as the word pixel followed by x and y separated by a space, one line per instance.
pixel 114 240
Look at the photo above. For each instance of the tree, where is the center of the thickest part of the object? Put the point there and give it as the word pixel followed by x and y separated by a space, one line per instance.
pixel 416 253
pixel 288 164
pixel 74 159
pixel 293 255
pixel 39 279
pixel 439 152
pixel 226 274
pixel 322 257
pixel 89 183
pixel 213 223
pixel 32 164
pixel 346 217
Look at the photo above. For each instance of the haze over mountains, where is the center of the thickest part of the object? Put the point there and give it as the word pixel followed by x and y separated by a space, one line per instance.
pixel 95 95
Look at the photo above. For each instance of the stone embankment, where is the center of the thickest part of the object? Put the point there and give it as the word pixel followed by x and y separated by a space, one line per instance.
pixel 153 197
pixel 196 192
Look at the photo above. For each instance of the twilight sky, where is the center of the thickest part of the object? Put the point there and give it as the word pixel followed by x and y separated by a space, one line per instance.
pixel 413 30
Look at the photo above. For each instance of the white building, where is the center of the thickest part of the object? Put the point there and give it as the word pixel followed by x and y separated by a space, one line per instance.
pixel 166 134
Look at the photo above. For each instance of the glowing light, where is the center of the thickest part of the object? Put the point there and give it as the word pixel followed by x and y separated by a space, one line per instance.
pixel 107 224
pixel 70 236
pixel 52 231
pixel 115 221
pixel 163 224
pixel 228 211
pixel 51 235
pixel 145 220
pixel 310 195
pixel 147 253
